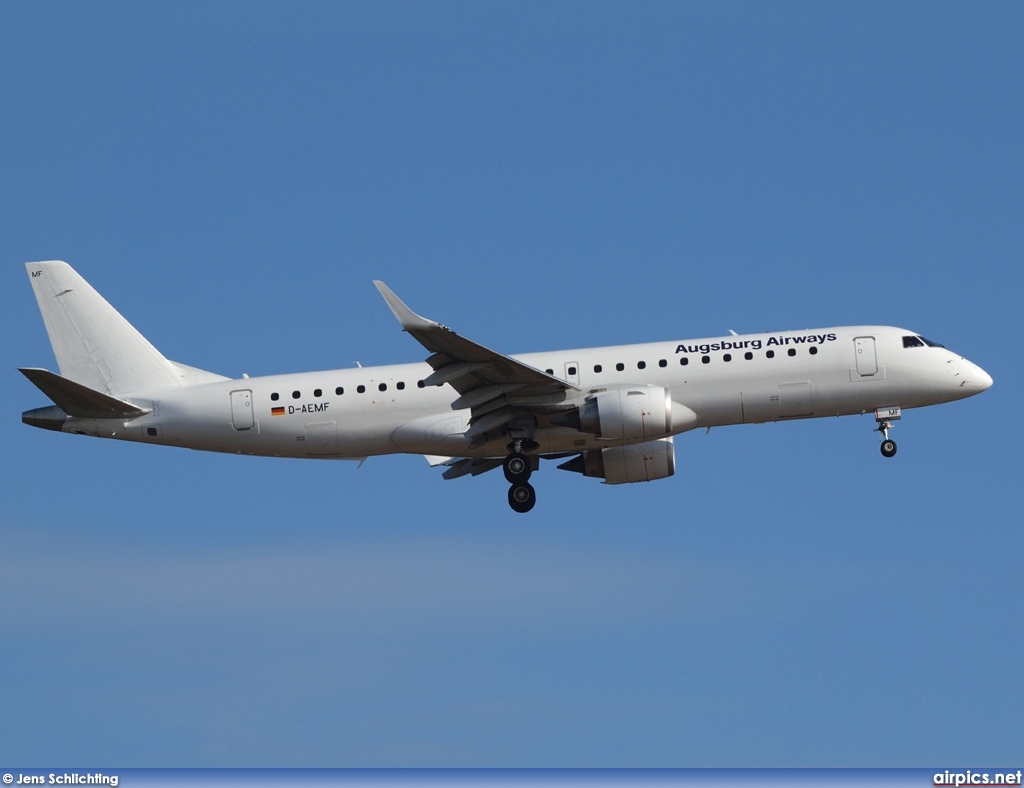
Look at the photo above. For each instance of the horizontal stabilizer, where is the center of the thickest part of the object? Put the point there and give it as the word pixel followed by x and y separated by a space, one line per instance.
pixel 78 400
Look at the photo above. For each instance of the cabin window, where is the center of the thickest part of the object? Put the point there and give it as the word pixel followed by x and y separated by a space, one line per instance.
pixel 361 388
pixel 400 385
pixel 813 350
pixel 598 367
pixel 684 361
pixel 792 351
pixel 620 366
pixel 420 384
pixel 572 370
pixel 339 391
pixel 151 432
pixel 912 342
pixel 705 359
pixel 296 395
pixel 748 355
pixel 662 363
pixel 727 357
pixel 275 397
pixel 769 354
pixel 318 392
pixel 383 387
pixel 641 365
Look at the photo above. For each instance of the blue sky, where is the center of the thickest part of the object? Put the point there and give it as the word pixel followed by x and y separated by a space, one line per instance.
pixel 232 176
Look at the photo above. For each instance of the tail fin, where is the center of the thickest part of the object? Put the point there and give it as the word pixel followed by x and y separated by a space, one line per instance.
pixel 93 343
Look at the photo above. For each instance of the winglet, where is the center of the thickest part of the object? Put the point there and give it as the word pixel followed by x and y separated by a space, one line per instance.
pixel 409 319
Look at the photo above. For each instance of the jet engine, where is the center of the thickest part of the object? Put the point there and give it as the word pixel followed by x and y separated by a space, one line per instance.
pixel 639 462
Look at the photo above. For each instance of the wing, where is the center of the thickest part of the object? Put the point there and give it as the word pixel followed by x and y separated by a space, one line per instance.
pixel 497 388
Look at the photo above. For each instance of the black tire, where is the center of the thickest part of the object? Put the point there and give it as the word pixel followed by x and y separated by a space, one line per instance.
pixel 521 497
pixel 888 448
pixel 517 468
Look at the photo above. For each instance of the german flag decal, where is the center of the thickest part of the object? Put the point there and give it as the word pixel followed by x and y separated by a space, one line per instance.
pixel 277 411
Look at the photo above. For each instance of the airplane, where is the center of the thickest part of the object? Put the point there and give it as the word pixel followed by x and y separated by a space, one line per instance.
pixel 609 413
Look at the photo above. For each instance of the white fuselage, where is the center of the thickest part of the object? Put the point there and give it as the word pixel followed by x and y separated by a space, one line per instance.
pixel 355 413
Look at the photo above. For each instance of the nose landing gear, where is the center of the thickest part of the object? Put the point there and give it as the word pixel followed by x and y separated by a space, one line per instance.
pixel 885 417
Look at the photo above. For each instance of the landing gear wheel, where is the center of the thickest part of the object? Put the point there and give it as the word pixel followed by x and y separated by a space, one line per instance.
pixel 517 468
pixel 521 497
pixel 885 417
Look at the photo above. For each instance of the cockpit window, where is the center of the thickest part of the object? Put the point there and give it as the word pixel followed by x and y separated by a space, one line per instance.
pixel 919 341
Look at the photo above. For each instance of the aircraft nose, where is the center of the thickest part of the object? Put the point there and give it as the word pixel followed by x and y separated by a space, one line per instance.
pixel 964 378
pixel 971 378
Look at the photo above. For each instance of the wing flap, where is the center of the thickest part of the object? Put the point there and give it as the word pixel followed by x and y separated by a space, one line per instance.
pixel 447 374
pixel 483 395
pixel 470 466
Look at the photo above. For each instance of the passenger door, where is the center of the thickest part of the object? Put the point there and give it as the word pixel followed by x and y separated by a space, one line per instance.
pixel 867 364
pixel 241 410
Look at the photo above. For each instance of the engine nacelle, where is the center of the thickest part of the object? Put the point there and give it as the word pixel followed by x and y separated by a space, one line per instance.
pixel 629 414
pixel 639 462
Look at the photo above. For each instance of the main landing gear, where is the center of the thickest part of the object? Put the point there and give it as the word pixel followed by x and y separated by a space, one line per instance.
pixel 885 417
pixel 518 468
